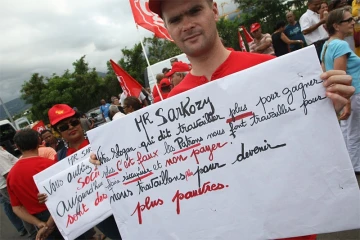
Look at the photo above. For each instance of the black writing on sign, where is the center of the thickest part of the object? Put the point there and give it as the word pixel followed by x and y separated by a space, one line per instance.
pixel 53 186
pixel 142 122
pixel 281 110
pixel 163 179
pixel 267 99
pixel 299 87
pixel 137 175
pixel 237 109
pixel 164 134
pixel 235 126
pixel 101 156
pixel 117 152
pixel 186 109
pixel 307 102
pixel 168 148
pixel 216 133
pixel 185 142
pixel 72 159
pixel 206 119
pixel 245 154
pixel 121 195
pixel 207 168
pixel 80 169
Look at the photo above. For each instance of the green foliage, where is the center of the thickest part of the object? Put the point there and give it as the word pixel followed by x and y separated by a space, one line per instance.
pixel 228 31
pixel 268 12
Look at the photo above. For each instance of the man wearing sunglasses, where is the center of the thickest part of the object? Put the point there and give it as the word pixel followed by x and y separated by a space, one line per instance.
pixel 66 121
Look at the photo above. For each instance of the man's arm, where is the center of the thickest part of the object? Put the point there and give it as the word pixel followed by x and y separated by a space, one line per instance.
pixel 267 43
pixel 314 27
pixel 22 213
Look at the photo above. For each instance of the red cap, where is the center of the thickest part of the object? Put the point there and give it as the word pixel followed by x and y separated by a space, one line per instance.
pixel 59 112
pixel 254 27
pixel 155 6
pixel 178 67
pixel 165 82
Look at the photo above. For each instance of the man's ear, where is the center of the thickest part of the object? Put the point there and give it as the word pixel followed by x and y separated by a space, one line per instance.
pixel 216 11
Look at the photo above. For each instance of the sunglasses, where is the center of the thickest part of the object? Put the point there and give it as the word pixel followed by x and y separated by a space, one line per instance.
pixel 65 126
pixel 349 20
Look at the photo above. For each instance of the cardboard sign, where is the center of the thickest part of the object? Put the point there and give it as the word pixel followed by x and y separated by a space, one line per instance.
pixel 76 197
pixel 256 155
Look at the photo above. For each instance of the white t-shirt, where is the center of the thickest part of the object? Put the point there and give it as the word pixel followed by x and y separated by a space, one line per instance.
pixel 118 115
pixel 308 19
pixel 7 161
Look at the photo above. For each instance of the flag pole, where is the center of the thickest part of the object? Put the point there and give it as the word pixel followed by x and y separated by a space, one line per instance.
pixel 148 63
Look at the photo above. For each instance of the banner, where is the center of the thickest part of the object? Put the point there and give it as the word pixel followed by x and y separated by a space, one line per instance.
pixel 144 17
pixel 128 84
pixel 39 126
pixel 256 155
pixel 77 199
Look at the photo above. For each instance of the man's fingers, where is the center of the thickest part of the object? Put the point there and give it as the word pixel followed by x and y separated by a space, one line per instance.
pixel 338 101
pixel 93 159
pixel 343 90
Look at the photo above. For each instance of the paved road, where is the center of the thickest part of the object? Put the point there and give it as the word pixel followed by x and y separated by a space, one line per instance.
pixel 8 232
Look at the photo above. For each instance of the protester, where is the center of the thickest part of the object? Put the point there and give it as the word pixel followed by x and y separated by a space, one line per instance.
pixel 104 109
pixel 312 26
pixel 356 15
pixel 114 113
pixel 66 121
pixel 7 161
pixel 178 72
pixel 165 88
pixel 293 31
pixel 262 42
pixel 115 101
pixel 21 186
pixel 172 61
pixel 86 123
pixel 51 140
pixel 200 41
pixel 155 91
pixel 281 41
pixel 337 55
pixel 131 104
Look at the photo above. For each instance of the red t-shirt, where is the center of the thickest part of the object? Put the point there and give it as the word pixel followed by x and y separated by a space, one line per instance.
pixel 236 62
pixel 73 150
pixel 155 92
pixel 21 185
pixel 158 99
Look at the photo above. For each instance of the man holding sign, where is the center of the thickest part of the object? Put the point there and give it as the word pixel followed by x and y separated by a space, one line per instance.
pixel 192 26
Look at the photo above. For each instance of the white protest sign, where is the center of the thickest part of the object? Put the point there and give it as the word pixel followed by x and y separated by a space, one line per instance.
pixel 256 155
pixel 77 199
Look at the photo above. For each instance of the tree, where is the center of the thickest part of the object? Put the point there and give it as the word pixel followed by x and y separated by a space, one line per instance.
pixel 267 13
pixel 133 62
pixel 160 49
pixel 228 31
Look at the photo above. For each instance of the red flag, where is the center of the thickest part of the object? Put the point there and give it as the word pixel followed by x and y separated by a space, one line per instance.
pixel 248 37
pixel 144 17
pixel 241 42
pixel 39 126
pixel 128 84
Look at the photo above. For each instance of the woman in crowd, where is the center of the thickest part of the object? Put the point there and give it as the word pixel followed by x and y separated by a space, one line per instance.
pixel 66 121
pixel 337 55
pixel 356 15
pixel 280 41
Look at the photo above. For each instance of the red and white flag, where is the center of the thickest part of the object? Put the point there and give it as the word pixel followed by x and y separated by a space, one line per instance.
pixel 248 38
pixel 144 17
pixel 129 85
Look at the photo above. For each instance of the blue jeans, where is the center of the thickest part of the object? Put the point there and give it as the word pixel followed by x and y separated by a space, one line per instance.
pixel 15 220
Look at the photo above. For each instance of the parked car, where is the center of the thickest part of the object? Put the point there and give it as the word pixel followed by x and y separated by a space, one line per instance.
pixel 96 116
pixel 7 133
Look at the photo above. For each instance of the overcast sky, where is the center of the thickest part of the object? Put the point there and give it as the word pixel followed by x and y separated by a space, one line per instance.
pixel 47 36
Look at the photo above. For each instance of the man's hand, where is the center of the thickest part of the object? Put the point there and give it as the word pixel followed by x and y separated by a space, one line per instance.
pixel 41 225
pixel 93 159
pixel 42 198
pixel 338 88
pixel 44 232
pixel 345 114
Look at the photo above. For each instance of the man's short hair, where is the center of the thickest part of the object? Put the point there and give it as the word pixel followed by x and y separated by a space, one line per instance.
pixel 45 131
pixel 113 109
pixel 27 139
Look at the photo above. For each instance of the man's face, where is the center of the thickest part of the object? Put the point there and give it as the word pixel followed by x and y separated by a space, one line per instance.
pixel 191 24
pixel 48 137
pixel 315 5
pixel 102 102
pixel 290 18
pixel 257 33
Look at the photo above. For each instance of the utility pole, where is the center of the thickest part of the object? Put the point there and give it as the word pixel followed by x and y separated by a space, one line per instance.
pixel 7 112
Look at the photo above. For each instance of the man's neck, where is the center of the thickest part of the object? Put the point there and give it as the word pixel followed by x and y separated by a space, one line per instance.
pixel 207 64
pixel 30 153
pixel 292 24
pixel 77 143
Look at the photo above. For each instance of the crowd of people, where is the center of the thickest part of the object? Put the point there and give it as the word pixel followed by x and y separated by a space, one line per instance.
pixel 192 26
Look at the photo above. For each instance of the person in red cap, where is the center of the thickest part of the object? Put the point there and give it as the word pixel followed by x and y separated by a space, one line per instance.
pixel 262 42
pixel 178 72
pixel 67 122
pixel 192 26
pixel 165 88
